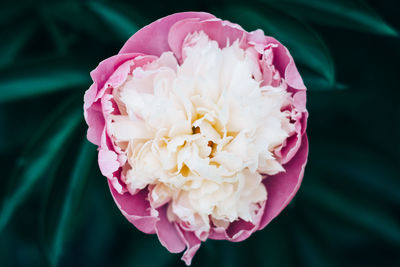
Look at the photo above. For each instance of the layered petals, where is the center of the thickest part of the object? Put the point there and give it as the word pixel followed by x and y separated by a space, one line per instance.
pixel 201 129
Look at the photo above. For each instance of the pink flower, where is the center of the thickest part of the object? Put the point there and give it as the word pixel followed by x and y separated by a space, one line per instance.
pixel 201 129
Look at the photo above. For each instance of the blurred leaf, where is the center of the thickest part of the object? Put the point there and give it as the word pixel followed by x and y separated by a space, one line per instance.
pixel 65 201
pixel 76 15
pixel 38 158
pixel 9 10
pixel 229 254
pixel 142 254
pixel 120 24
pixel 59 39
pixel 334 231
pixel 276 244
pixel 369 172
pixel 351 14
pixel 31 82
pixel 309 249
pixel 16 39
pixel 370 217
pixel 303 43
pixel 315 82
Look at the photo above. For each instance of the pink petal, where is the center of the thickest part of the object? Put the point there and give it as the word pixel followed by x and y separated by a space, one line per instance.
pixel 153 39
pixel 216 29
pixel 136 209
pixel 95 120
pixel 108 162
pixel 92 109
pixel 283 61
pixel 292 75
pixel 293 142
pixel 282 187
pixel 121 71
pixel 290 149
pixel 238 230
pixel 192 244
pixel 167 233
pixel 104 70
pixel 299 101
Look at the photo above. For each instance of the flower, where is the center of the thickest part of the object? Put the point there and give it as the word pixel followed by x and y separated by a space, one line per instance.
pixel 201 129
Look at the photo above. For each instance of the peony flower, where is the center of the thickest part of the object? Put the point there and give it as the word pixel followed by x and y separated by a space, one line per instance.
pixel 201 129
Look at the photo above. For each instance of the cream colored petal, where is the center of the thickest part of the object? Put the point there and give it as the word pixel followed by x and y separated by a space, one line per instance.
pixel 200 134
pixel 125 129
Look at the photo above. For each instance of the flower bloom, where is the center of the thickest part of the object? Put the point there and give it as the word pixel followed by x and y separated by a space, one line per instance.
pixel 201 129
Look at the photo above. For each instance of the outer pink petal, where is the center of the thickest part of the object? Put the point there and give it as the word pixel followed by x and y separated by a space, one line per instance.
pixel 292 75
pixel 192 244
pixel 153 39
pixel 293 143
pixel 167 233
pixel 282 187
pixel 239 230
pixel 94 119
pixel 109 74
pixel 216 29
pixel 92 110
pixel 109 108
pixel 283 61
pixel 136 209
pixel 102 73
pixel 108 162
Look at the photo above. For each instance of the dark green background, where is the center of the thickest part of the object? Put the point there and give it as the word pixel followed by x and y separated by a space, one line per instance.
pixel 55 207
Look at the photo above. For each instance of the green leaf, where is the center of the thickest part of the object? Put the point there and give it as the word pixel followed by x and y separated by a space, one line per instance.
pixel 122 25
pixel 77 18
pixel 16 40
pixel 38 158
pixel 365 215
pixel 379 178
pixel 303 43
pixel 11 11
pixel 62 207
pixel 351 14
pixel 334 231
pixel 59 39
pixel 276 244
pixel 141 253
pixel 29 82
pixel 310 250
pixel 315 82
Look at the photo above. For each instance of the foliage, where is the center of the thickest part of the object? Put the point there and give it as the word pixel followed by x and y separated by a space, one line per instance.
pixel 55 208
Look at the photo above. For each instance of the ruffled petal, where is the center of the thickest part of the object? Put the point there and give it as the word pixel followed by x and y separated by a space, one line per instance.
pixel 192 244
pixel 153 39
pixel 283 61
pixel 283 186
pixel 108 162
pixel 136 209
pixel 92 109
pixel 171 34
pixel 167 232
pixel 239 230
pixel 223 32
